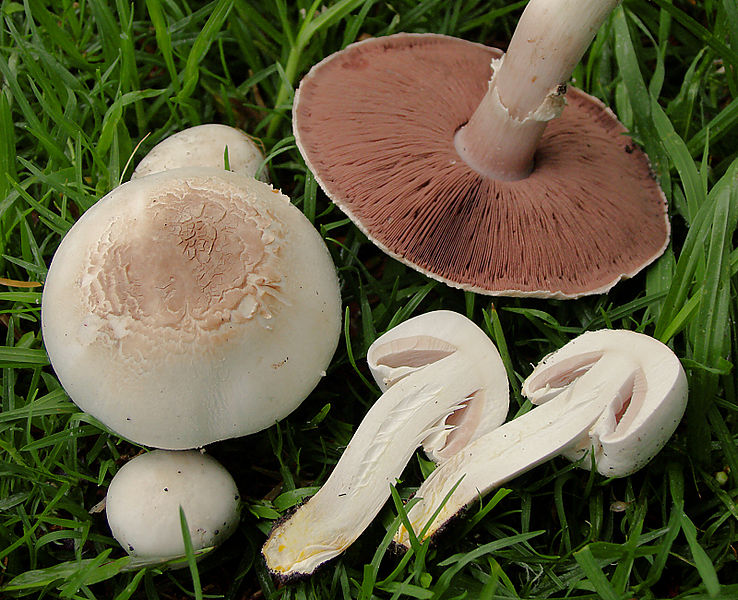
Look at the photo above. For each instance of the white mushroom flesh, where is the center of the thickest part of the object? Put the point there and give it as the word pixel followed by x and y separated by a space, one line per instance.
pixel 618 393
pixel 430 367
pixel 204 146
pixel 427 339
pixel 144 498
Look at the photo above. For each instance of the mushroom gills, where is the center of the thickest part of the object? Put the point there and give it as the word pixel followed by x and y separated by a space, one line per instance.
pixel 615 418
pixel 549 380
pixel 456 429
pixel 406 355
pixel 415 176
pixel 407 347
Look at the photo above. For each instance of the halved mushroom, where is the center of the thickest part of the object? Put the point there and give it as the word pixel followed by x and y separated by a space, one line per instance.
pixel 440 373
pixel 617 394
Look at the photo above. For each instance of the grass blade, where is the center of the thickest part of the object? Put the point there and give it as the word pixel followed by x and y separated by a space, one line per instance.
pixel 711 332
pixel 604 589
pixel 702 561
pixel 190 555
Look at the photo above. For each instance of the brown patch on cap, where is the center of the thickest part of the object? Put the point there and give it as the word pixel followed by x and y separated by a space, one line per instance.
pixel 376 125
pixel 194 263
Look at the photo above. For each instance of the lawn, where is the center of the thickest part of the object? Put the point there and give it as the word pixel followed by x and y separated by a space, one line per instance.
pixel 88 87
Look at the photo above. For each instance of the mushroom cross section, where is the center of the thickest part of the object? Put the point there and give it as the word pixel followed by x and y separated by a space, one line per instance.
pixel 618 394
pixel 435 147
pixel 433 369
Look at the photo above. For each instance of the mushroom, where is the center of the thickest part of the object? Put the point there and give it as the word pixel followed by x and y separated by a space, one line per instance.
pixel 204 146
pixel 444 384
pixel 191 306
pixel 611 397
pixel 144 498
pixel 449 170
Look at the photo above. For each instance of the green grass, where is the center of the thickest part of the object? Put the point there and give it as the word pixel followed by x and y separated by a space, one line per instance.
pixel 82 84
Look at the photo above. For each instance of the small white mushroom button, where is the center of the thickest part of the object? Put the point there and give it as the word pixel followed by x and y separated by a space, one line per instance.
pixel 443 380
pixel 144 497
pixel 204 146
pixel 618 394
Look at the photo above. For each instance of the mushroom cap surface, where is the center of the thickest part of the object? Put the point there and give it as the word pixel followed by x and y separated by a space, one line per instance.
pixel 376 123
pixel 191 306
pixel 203 146
pixel 144 497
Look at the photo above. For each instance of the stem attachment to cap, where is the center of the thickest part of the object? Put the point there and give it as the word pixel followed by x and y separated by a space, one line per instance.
pixel 526 89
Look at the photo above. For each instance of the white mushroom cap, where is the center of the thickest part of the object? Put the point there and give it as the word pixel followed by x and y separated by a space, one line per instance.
pixel 204 146
pixel 144 497
pixel 626 436
pixel 426 339
pixel 191 306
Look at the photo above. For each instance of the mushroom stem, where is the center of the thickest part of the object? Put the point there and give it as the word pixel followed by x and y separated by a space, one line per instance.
pixel 528 85
pixel 357 488
pixel 521 444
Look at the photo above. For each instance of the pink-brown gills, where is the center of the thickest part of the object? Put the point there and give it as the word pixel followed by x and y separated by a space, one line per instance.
pixel 376 124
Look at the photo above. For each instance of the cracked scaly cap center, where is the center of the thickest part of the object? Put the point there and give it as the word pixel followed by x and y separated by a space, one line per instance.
pixel 192 263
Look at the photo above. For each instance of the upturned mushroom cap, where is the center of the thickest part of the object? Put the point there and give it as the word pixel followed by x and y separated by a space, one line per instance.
pixel 440 373
pixel 619 394
pixel 204 146
pixel 191 306
pixel 376 125
pixel 144 497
